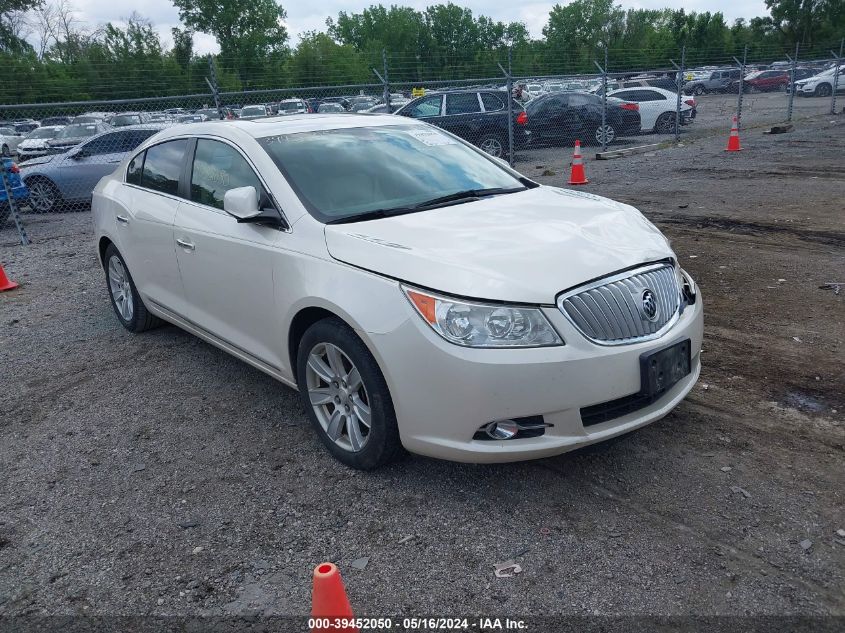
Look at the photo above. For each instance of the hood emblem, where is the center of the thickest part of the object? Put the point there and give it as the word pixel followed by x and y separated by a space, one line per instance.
pixel 648 307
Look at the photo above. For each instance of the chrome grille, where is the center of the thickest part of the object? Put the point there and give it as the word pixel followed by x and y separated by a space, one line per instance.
pixel 615 310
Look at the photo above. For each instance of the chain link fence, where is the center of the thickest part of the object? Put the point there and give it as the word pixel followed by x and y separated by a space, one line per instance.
pixel 55 153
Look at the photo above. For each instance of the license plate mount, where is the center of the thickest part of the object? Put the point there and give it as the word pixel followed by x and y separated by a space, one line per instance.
pixel 661 370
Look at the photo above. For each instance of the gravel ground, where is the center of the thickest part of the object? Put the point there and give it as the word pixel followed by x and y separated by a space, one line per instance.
pixel 154 474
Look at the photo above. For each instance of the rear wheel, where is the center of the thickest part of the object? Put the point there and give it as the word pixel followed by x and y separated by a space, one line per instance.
pixel 493 145
pixel 346 396
pixel 665 123
pixel 699 90
pixel 605 134
pixel 127 304
pixel 44 196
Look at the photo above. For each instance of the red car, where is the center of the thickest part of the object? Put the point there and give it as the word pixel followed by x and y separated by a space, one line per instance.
pixel 767 80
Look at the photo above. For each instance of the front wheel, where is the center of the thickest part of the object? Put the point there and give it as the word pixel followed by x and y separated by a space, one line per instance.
pixel 127 304
pixel 699 90
pixel 346 396
pixel 823 90
pixel 6 152
pixel 44 196
pixel 665 123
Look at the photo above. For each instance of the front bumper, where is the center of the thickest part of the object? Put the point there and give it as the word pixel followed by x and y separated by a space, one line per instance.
pixel 443 393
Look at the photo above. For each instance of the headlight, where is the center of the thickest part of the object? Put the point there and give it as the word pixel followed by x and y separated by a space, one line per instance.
pixel 688 285
pixel 480 325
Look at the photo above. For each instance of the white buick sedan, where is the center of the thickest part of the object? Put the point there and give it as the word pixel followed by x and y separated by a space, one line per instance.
pixel 417 292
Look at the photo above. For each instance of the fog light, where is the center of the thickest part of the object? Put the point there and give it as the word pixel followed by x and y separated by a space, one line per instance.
pixel 502 430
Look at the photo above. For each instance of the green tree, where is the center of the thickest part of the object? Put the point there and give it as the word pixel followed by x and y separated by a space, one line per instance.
pixel 249 33
pixel 11 14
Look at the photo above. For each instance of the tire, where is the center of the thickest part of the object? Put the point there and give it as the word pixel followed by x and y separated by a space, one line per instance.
pixel 133 315
pixel 665 123
pixel 699 90
pixel 329 352
pixel 494 145
pixel 44 196
pixel 609 132
pixel 822 90
pixel 5 151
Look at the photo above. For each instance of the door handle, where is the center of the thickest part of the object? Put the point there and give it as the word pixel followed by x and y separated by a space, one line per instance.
pixel 188 246
pixel 122 219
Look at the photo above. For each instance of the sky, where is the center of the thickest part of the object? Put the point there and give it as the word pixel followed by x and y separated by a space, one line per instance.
pixel 306 16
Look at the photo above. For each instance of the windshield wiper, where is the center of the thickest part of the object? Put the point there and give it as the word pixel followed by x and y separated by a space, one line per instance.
pixel 467 194
pixel 459 196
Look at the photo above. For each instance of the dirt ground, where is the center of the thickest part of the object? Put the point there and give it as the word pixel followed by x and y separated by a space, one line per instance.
pixel 154 474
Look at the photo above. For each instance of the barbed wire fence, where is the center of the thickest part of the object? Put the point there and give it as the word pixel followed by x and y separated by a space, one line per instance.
pixel 514 107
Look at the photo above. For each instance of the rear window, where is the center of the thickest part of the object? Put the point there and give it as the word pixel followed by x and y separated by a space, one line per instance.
pixel 491 102
pixel 163 166
pixel 75 131
pixel 462 103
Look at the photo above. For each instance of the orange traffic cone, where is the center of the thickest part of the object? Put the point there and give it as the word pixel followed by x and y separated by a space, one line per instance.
pixel 577 175
pixel 329 601
pixel 5 282
pixel 733 139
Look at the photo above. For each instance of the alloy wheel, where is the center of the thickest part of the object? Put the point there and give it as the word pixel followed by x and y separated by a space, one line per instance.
pixel 665 123
pixel 42 197
pixel 121 289
pixel 492 146
pixel 605 134
pixel 338 396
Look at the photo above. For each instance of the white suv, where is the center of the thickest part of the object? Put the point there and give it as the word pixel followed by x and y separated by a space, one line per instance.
pixel 416 291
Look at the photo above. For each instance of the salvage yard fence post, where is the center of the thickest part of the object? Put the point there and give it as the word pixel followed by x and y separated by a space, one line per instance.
pixel 836 77
pixel 679 83
pixel 791 88
pixel 385 86
pixel 603 100
pixel 509 84
pixel 13 206
pixel 211 80
pixel 740 86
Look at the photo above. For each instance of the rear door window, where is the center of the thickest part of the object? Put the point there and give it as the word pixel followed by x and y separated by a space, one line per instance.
pixel 163 166
pixel 462 103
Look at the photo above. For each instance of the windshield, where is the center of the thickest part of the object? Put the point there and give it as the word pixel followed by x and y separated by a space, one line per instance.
pixel 43 132
pixel 125 119
pixel 291 105
pixel 348 172
pixel 253 110
pixel 76 131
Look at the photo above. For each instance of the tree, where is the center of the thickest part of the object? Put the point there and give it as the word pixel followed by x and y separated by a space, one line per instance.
pixel 319 60
pixel 248 32
pixel 13 24
pixel 183 46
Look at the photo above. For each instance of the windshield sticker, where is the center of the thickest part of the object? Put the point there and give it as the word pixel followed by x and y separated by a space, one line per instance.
pixel 432 137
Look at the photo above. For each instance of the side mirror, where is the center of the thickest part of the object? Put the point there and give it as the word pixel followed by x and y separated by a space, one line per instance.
pixel 78 153
pixel 242 203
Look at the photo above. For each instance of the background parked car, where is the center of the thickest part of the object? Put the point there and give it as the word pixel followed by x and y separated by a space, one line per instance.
pixel 18 190
pixel 382 108
pixel 657 108
pixel 24 126
pixel 766 80
pixel 66 180
pixel 10 138
pixel 717 81
pixel 211 114
pixel 35 143
pixel 191 118
pixel 563 117
pixel 478 116
pixel 74 134
pixel 92 117
pixel 129 118
pixel 821 84
pixel 323 108
pixel 55 120
pixel 359 104
pixel 254 111
pixel 293 106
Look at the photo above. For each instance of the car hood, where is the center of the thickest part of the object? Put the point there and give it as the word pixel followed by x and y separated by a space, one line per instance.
pixel 524 247
pixel 33 143
pixel 40 160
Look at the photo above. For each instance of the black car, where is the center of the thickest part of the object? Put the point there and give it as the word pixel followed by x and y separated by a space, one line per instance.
pixel 478 116
pixel 563 117
pixel 73 134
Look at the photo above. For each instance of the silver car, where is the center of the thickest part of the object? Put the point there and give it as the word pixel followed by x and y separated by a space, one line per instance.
pixel 66 180
pixel 9 140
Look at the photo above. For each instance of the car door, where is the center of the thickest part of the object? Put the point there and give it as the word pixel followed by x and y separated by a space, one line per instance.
pixel 428 109
pixel 463 117
pixel 647 115
pixel 227 267
pixel 85 165
pixel 143 227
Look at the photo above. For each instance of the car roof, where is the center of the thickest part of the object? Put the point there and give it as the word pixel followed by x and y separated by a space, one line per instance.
pixel 289 124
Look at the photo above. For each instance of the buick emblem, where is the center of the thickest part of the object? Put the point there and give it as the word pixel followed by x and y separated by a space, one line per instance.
pixel 649 305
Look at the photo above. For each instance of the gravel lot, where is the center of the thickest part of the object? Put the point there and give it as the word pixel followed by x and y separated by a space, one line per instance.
pixel 154 474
